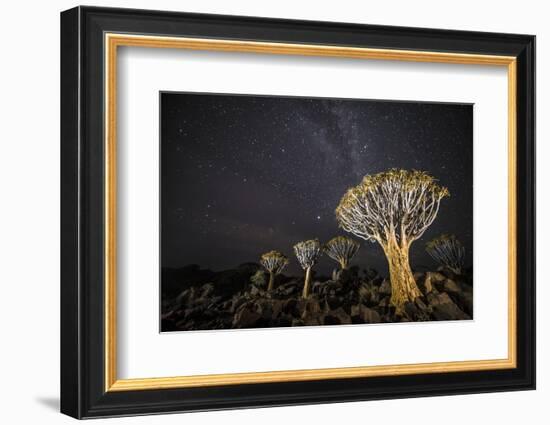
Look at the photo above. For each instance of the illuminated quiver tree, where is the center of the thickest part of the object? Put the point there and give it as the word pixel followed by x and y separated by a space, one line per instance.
pixel 274 262
pixel 307 253
pixel 393 208
pixel 341 249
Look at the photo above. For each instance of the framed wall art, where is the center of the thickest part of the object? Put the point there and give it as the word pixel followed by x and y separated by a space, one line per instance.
pixel 261 212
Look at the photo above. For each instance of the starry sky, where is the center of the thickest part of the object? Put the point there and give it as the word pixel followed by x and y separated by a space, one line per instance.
pixel 243 174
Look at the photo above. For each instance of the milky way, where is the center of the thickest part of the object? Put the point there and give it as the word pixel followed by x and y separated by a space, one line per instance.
pixel 242 175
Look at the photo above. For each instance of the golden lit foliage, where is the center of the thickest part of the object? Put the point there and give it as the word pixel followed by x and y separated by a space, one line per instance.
pixel 307 252
pixel 274 261
pixel 394 203
pixel 341 249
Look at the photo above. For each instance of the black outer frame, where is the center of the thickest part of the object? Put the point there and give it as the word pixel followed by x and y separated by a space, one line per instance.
pixel 82 219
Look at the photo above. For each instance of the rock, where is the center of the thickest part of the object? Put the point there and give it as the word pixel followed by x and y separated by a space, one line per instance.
pixel 438 298
pixel 212 303
pixel 435 276
pixel 276 307
pixel 384 302
pixel 316 287
pixel 464 300
pixel 207 290
pixel 186 296
pixel 467 299
pixel 362 314
pixel 313 321
pixel 297 322
pixel 465 287
pixel 265 309
pixel 448 312
pixel 417 311
pixel 421 305
pixel 332 302
pixel 287 289
pixel 450 286
pixel 246 317
pixel 368 294
pixel 327 319
pixel 428 284
pixel 460 293
pixel 290 306
pixel 311 308
pixel 443 308
pixel 385 287
pixel 425 285
pixel 284 320
pixel 255 291
pixel 193 313
pixel 337 317
pixel 411 310
pixel 331 288
pixel 236 303
pixel 168 315
pixel 237 298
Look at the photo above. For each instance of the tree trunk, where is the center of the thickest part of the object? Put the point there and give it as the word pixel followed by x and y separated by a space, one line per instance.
pixel 271 281
pixel 305 293
pixel 403 285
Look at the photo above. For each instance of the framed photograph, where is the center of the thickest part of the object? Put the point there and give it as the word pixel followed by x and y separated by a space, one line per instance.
pixel 268 219
pixel 261 212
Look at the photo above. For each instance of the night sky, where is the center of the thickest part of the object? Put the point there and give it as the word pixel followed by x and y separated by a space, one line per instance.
pixel 242 175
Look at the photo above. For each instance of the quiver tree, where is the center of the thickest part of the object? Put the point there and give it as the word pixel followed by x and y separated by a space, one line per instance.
pixel 341 249
pixel 393 208
pixel 307 253
pixel 448 251
pixel 274 262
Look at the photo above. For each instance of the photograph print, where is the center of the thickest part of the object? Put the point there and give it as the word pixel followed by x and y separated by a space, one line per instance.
pixel 300 211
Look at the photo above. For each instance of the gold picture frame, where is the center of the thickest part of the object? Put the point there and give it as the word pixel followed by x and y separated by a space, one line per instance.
pixel 113 41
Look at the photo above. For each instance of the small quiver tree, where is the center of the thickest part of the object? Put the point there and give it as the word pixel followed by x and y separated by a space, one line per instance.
pixel 447 251
pixel 307 253
pixel 274 262
pixel 393 208
pixel 341 249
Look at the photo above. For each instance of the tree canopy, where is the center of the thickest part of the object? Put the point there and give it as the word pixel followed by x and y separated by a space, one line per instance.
pixel 394 204
pixel 274 261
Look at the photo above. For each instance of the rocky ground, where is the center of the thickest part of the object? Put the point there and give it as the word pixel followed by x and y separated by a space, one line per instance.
pixel 237 299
